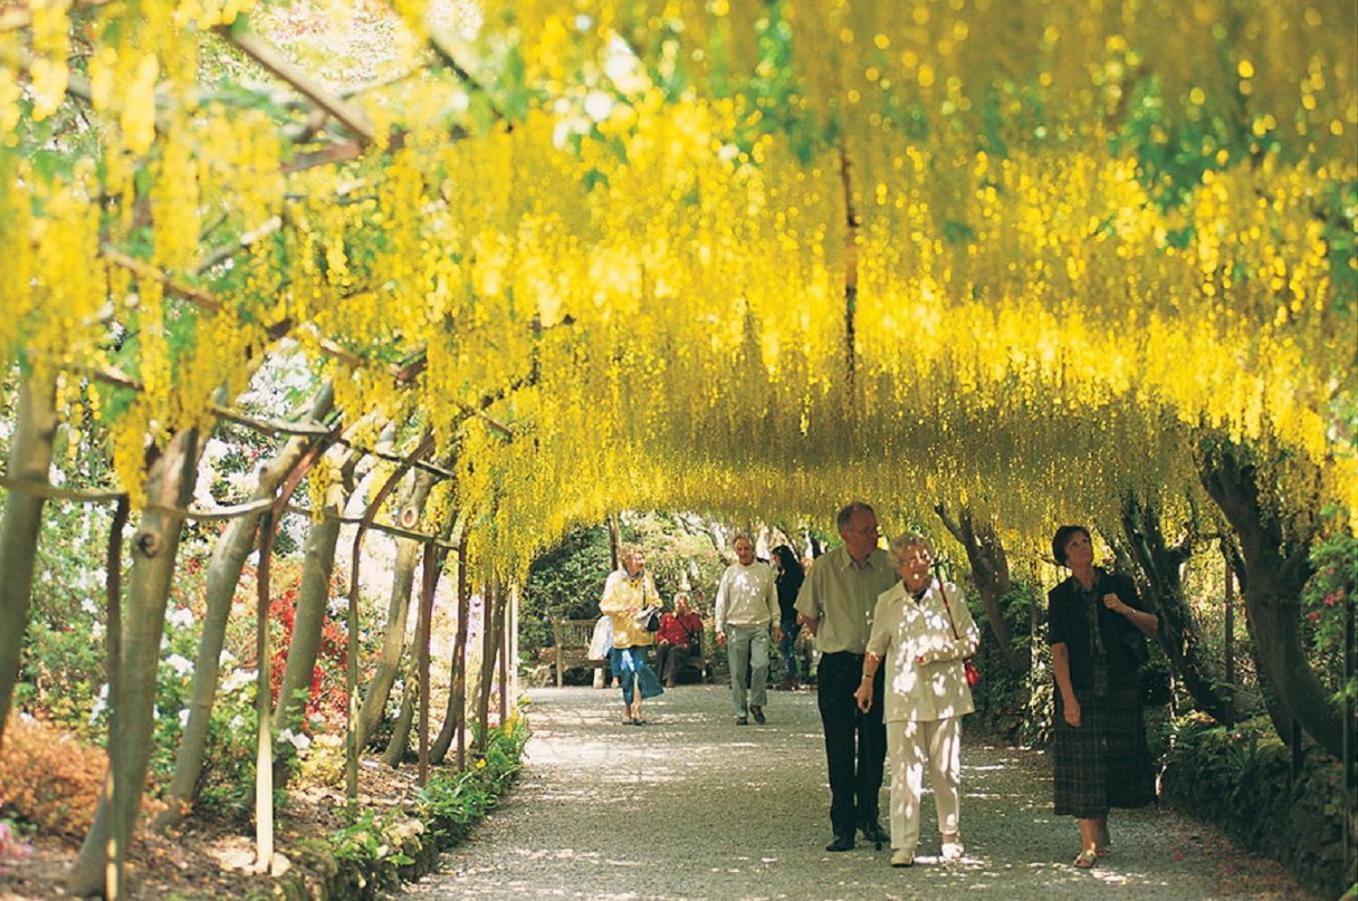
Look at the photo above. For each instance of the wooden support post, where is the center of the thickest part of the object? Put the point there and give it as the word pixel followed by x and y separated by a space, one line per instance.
pixel 1350 743
pixel 514 646
pixel 460 652
pixel 1229 642
pixel 502 627
pixel 351 681
pixel 264 750
pixel 1296 758
pixel 428 578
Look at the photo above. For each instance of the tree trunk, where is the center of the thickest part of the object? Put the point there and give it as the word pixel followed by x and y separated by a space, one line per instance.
pixel 1275 571
pixel 400 736
pixel 169 483
pixel 614 540
pixel 851 227
pixel 223 575
pixel 30 458
pixel 457 677
pixel 398 607
pixel 312 599
pixel 1179 634
pixel 990 573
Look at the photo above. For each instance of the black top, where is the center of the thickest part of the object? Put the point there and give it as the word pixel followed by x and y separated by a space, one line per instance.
pixel 1068 621
pixel 788 584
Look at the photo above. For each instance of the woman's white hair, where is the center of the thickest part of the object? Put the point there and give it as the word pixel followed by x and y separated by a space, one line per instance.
pixel 908 540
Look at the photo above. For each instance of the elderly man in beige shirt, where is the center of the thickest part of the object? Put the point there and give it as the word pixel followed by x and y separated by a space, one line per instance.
pixel 836 604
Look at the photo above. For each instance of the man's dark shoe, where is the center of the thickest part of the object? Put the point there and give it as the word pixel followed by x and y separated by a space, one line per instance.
pixel 842 842
pixel 742 721
pixel 873 832
pixel 758 714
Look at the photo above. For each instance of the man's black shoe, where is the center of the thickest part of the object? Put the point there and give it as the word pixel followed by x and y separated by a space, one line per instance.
pixel 758 714
pixel 842 842
pixel 873 832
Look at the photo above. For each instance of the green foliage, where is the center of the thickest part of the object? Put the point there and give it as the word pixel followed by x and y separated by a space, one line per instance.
pixel 451 799
pixel 568 580
pixel 1241 778
pixel 1331 592
pixel 364 841
pixel 1009 702
pixel 64 646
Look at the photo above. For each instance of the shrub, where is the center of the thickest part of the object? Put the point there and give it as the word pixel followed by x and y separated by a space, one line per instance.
pixel 50 778
pixel 1241 778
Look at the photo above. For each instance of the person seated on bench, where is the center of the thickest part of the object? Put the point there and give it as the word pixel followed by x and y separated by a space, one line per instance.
pixel 680 635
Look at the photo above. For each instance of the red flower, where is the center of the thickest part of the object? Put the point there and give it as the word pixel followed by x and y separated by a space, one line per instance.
pixel 1314 616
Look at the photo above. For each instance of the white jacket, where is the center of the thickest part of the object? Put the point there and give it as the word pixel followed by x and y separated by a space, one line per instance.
pixel 902 631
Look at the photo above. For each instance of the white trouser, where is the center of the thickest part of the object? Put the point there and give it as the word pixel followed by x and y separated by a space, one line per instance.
pixel 911 744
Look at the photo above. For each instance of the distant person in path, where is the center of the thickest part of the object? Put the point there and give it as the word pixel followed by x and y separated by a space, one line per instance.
pixel 1097 627
pixel 923 630
pixel 836 604
pixel 628 592
pixel 789 583
pixel 680 636
pixel 747 603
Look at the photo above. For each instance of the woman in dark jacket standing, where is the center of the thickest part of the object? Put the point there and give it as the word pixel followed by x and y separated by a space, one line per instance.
pixel 1097 628
pixel 788 583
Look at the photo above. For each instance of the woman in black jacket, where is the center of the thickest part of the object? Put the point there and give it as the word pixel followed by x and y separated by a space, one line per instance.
pixel 788 583
pixel 1097 627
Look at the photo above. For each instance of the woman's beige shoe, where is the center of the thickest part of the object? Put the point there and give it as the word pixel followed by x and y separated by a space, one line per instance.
pixel 902 858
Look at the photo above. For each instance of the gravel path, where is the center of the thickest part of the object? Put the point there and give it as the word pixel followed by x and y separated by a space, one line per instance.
pixel 692 806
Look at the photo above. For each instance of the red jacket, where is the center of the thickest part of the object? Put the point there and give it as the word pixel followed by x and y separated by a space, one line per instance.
pixel 677 631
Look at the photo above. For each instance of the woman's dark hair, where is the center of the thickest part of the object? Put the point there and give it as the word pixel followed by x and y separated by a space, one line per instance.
pixel 792 567
pixel 1062 538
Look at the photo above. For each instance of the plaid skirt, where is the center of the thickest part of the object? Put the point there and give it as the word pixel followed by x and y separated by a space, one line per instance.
pixel 1105 762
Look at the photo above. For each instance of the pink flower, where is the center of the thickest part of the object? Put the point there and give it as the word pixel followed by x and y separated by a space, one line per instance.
pixel 1331 599
pixel 1314 616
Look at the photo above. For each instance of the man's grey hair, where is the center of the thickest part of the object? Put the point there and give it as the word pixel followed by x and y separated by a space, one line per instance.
pixel 901 543
pixel 848 510
pixel 739 535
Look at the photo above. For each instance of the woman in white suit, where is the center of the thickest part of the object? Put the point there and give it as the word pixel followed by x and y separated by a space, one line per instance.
pixel 923 630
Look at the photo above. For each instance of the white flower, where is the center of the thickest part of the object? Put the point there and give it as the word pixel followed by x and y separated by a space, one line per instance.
pixel 180 664
pixel 181 617
pixel 225 658
pixel 598 105
pixel 100 703
pixel 184 718
pixel 87 605
pixel 296 739
pixel 238 680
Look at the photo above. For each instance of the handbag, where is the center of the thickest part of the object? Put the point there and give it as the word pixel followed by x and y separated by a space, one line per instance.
pixel 969 669
pixel 649 619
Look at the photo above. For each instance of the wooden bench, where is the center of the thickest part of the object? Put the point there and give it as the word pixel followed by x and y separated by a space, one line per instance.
pixel 572 637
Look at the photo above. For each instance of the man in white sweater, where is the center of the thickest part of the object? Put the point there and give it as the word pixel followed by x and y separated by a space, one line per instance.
pixel 747 603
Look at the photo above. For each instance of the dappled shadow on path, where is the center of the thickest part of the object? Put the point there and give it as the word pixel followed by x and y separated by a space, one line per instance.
pixel 693 806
